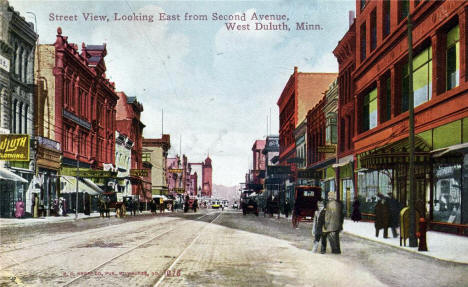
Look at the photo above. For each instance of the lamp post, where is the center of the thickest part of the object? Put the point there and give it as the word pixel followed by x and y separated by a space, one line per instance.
pixel 413 242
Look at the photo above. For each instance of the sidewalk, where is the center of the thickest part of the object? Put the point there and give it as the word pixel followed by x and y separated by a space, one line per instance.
pixel 19 222
pixel 443 246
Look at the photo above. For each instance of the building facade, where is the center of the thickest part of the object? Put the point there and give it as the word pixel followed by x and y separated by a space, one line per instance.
pixel 158 149
pixel 128 122
pixel 123 163
pixel 17 44
pixel 378 71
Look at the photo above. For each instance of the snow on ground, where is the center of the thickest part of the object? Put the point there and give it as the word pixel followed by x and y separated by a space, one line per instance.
pixel 440 245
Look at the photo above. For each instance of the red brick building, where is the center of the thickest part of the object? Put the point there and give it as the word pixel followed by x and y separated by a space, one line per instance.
pixel 85 104
pixel 301 93
pixel 374 78
pixel 128 123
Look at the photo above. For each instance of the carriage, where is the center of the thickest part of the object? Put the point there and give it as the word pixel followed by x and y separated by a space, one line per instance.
pixel 305 203
pixel 112 201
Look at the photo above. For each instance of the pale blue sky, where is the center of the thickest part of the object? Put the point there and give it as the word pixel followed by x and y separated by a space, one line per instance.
pixel 216 86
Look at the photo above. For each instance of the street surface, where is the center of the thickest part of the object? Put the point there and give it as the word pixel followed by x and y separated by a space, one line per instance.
pixel 207 248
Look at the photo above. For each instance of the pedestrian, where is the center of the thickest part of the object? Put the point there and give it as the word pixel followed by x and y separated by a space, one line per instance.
pixel 65 211
pixel 333 224
pixel 35 202
pixel 135 206
pixel 19 212
pixel 356 215
pixel 319 220
pixel 394 209
pixel 87 203
pixel 287 208
pixel 106 206
pixel 382 215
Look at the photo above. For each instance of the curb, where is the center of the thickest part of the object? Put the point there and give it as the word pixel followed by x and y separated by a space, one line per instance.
pixel 406 249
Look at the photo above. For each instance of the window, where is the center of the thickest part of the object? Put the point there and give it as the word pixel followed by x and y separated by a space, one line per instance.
pixel 331 129
pixel 13 117
pixel 386 107
pixel 20 117
pixel 373 31
pixel 422 77
pixel 447 193
pixel 363 4
pixel 26 108
pixel 386 18
pixel 403 9
pixel 453 57
pixel 369 111
pixel 363 42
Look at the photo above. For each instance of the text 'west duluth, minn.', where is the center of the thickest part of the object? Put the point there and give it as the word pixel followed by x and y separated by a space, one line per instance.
pixel 232 22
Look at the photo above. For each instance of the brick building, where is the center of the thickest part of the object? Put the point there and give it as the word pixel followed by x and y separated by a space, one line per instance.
pixel 373 75
pixel 128 123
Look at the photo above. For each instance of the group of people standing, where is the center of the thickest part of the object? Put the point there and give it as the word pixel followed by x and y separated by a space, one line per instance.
pixel 387 214
pixel 328 223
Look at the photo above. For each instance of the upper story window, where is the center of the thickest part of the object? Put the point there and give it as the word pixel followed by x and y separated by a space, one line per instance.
pixel 403 9
pixel 422 80
pixel 363 42
pixel 386 18
pixel 422 76
pixel 331 134
pixel 373 31
pixel 453 57
pixel 363 4
pixel 369 111
pixel 386 99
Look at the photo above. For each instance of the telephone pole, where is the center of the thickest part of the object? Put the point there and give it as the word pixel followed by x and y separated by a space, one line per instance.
pixel 413 242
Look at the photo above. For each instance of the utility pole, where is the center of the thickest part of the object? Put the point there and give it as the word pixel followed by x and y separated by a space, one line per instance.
pixel 77 175
pixel 413 242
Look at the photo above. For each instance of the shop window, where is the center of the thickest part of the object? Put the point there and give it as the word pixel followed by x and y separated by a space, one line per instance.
pixel 369 185
pixel 453 58
pixel 363 42
pixel 373 31
pixel 386 18
pixel 447 193
pixel 369 111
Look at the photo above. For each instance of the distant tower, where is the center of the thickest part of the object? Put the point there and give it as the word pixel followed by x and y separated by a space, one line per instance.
pixel 207 181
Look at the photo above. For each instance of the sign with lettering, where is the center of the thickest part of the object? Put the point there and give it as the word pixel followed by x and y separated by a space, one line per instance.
pixel 279 169
pixel 326 149
pixel 4 63
pixel 90 173
pixel 308 174
pixel 139 172
pixel 14 147
pixel 176 170
pixel 179 190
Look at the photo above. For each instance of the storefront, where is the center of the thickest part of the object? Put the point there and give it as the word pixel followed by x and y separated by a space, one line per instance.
pixel 12 189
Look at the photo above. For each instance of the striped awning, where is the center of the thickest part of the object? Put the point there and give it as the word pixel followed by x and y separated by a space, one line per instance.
pixel 395 154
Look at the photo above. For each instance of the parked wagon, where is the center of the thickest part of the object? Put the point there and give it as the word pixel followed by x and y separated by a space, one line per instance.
pixel 305 203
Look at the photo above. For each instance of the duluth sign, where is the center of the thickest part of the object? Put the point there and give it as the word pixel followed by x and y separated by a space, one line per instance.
pixel 14 147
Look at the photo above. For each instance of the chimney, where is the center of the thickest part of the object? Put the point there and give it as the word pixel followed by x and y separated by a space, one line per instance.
pixel 351 17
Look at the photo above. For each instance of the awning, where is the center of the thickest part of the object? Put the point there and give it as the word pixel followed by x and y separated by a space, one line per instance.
pixel 8 175
pixel 70 186
pixel 451 149
pixel 396 153
pixel 92 185
pixel 343 161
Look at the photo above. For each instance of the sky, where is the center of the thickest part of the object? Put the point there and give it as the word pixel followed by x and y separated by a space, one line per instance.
pixel 215 88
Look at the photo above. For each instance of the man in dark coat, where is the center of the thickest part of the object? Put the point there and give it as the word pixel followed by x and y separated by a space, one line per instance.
pixel 356 215
pixel 333 224
pixel 382 216
pixel 394 209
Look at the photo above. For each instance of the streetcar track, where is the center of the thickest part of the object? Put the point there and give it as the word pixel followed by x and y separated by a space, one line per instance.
pixel 128 251
pixel 91 230
pixel 174 262
pixel 66 249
